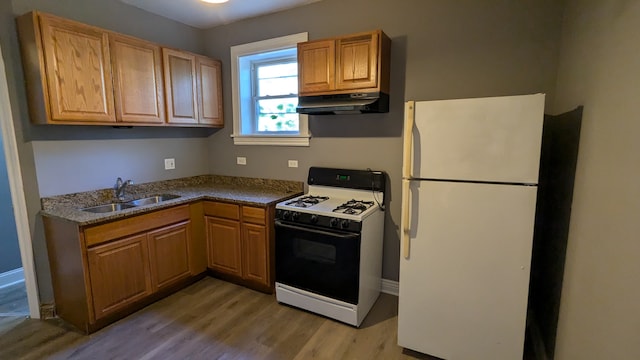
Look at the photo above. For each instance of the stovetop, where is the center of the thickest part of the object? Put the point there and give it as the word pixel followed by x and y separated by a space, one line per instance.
pixel 339 199
pixel 334 202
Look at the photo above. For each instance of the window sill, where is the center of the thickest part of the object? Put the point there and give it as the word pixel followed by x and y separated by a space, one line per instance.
pixel 301 140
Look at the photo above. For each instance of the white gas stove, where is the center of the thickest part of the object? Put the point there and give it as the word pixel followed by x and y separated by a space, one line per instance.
pixel 329 244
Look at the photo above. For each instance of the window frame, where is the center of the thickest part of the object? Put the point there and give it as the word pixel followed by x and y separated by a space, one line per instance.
pixel 255 65
pixel 240 138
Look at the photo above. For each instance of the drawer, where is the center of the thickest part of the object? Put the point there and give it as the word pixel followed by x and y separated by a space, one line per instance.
pixel 253 215
pixel 223 210
pixel 133 225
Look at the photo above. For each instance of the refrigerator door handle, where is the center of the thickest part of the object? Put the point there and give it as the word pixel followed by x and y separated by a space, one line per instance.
pixel 406 217
pixel 407 145
pixel 407 164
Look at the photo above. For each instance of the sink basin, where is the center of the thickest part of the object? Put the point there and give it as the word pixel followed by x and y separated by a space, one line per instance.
pixel 152 200
pixel 106 208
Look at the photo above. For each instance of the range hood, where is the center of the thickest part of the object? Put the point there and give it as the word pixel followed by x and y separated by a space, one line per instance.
pixel 355 103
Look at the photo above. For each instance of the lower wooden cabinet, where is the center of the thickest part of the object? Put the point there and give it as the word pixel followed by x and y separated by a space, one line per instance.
pixel 239 243
pixel 102 272
pixel 224 245
pixel 105 271
pixel 119 273
pixel 169 255
pixel 256 252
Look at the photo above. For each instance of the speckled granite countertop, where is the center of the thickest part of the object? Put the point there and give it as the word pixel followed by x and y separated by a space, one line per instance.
pixel 247 191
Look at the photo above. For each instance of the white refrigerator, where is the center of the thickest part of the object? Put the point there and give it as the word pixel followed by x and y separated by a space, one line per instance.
pixel 470 173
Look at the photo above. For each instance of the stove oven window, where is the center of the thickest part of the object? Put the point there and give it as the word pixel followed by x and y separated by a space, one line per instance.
pixel 314 251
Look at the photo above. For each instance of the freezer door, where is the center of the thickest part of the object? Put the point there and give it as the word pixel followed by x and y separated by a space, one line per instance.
pixel 464 286
pixel 485 139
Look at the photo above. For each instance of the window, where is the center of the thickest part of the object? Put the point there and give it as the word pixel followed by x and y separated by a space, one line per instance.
pixel 265 93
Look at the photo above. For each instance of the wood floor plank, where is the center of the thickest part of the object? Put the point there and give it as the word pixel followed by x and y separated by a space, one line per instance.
pixel 212 319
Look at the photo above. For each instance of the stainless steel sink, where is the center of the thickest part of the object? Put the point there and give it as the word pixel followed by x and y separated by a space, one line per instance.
pixel 106 208
pixel 152 200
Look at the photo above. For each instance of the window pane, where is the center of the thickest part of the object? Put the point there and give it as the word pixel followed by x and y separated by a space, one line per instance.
pixel 277 70
pixel 278 114
pixel 278 86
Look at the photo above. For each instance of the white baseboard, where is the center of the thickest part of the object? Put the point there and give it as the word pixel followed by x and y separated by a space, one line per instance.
pixel 11 277
pixel 391 287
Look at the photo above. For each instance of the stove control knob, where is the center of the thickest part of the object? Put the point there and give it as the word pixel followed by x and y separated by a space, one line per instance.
pixel 314 219
pixel 286 215
pixel 295 216
pixel 333 222
pixel 344 224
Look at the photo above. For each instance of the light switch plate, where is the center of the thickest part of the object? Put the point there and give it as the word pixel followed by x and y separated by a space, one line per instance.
pixel 241 160
pixel 293 163
pixel 169 164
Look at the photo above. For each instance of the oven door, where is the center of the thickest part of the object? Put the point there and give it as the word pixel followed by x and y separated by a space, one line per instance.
pixel 325 262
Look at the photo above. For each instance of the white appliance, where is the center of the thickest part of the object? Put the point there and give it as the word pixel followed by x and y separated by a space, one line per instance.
pixel 470 174
pixel 329 244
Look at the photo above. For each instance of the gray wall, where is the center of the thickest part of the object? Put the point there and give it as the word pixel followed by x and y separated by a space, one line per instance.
pixel 9 249
pixel 48 154
pixel 83 165
pixel 600 68
pixel 440 49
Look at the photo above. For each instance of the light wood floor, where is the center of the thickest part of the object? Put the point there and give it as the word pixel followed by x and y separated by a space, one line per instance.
pixel 212 319
pixel 13 300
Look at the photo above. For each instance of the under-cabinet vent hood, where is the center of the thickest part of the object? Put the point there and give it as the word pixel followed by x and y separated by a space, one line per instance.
pixel 355 103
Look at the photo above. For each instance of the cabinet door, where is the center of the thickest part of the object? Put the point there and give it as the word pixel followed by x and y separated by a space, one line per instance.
pixel 255 253
pixel 169 255
pixel 137 78
pixel 224 247
pixel 78 71
pixel 180 86
pixel 357 62
pixel 119 273
pixel 316 66
pixel 209 77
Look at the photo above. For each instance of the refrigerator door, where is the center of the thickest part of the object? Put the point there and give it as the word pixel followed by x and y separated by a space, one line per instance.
pixel 493 139
pixel 464 286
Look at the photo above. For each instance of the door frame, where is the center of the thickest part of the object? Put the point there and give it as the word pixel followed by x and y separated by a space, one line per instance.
pixel 17 194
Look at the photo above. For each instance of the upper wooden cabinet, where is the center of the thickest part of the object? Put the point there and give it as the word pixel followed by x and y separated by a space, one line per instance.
pixel 316 66
pixel 209 85
pixel 180 82
pixel 78 74
pixel 194 88
pixel 68 70
pixel 343 64
pixel 137 80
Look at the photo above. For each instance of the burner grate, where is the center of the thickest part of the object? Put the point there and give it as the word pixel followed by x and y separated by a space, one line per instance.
pixel 353 207
pixel 307 201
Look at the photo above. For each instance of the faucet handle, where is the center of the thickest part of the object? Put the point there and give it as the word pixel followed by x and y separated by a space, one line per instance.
pixel 118 183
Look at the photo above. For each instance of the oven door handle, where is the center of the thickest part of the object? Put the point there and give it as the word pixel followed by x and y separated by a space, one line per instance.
pixel 317 231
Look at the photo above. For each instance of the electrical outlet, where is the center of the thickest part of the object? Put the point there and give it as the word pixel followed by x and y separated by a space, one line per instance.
pixel 293 163
pixel 169 164
pixel 241 160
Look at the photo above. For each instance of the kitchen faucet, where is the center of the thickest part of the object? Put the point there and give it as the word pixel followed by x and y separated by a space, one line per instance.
pixel 120 186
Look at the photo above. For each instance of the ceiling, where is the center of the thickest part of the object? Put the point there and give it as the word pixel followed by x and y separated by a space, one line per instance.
pixel 204 15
